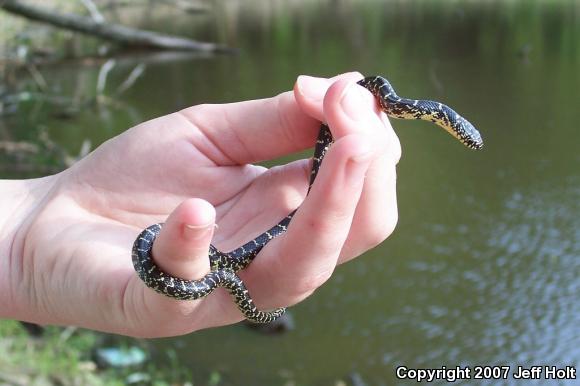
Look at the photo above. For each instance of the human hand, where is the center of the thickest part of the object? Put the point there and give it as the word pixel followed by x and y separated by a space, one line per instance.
pixel 70 258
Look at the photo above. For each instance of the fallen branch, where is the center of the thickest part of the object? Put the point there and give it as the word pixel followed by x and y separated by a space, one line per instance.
pixel 93 11
pixel 114 32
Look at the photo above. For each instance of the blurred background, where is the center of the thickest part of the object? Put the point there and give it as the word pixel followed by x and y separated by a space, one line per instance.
pixel 484 266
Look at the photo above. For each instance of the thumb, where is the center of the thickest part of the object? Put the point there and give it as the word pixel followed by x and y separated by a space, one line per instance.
pixel 181 249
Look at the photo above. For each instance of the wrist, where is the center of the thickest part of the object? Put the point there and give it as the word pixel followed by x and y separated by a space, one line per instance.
pixel 19 199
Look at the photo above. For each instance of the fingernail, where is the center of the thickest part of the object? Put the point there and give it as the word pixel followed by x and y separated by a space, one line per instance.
pixel 311 87
pixel 198 232
pixel 353 102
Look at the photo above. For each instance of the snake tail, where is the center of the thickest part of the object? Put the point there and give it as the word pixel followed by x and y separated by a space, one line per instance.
pixel 183 289
pixel 442 115
pixel 243 300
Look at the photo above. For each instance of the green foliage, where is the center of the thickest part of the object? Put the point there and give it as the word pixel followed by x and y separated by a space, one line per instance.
pixel 63 356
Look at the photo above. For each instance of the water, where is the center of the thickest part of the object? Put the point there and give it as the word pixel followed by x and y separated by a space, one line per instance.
pixel 484 266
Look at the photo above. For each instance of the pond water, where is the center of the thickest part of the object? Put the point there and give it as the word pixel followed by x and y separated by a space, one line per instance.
pixel 484 266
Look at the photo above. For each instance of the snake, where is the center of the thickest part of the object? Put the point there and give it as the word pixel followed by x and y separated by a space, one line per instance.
pixel 225 265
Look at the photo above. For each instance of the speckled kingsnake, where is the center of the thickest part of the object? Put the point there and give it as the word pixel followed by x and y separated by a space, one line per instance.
pixel 225 265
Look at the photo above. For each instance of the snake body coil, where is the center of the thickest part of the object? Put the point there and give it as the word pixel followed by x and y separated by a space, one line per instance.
pixel 223 266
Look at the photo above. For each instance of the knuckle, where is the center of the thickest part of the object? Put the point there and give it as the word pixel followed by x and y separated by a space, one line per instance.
pixel 196 114
pixel 203 107
pixel 303 287
pixel 383 229
pixel 391 139
pixel 396 149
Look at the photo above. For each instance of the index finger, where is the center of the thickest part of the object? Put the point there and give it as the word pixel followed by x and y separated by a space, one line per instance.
pixel 257 130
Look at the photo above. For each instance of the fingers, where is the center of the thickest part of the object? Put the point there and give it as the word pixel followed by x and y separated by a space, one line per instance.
pixel 332 221
pixel 310 91
pixel 317 97
pixel 310 249
pixel 255 130
pixel 293 266
pixel 181 249
pixel 376 214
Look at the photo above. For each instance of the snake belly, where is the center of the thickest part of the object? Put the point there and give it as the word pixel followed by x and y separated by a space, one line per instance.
pixel 225 265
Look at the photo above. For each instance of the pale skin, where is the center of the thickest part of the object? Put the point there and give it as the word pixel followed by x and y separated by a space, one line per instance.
pixel 65 240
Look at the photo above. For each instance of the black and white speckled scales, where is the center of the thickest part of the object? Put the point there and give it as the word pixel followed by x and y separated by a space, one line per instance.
pixel 223 266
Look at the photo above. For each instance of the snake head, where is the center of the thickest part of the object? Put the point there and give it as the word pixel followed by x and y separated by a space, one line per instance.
pixel 468 134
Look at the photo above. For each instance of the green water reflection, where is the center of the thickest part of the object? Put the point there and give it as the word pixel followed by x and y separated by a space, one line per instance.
pixel 484 265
